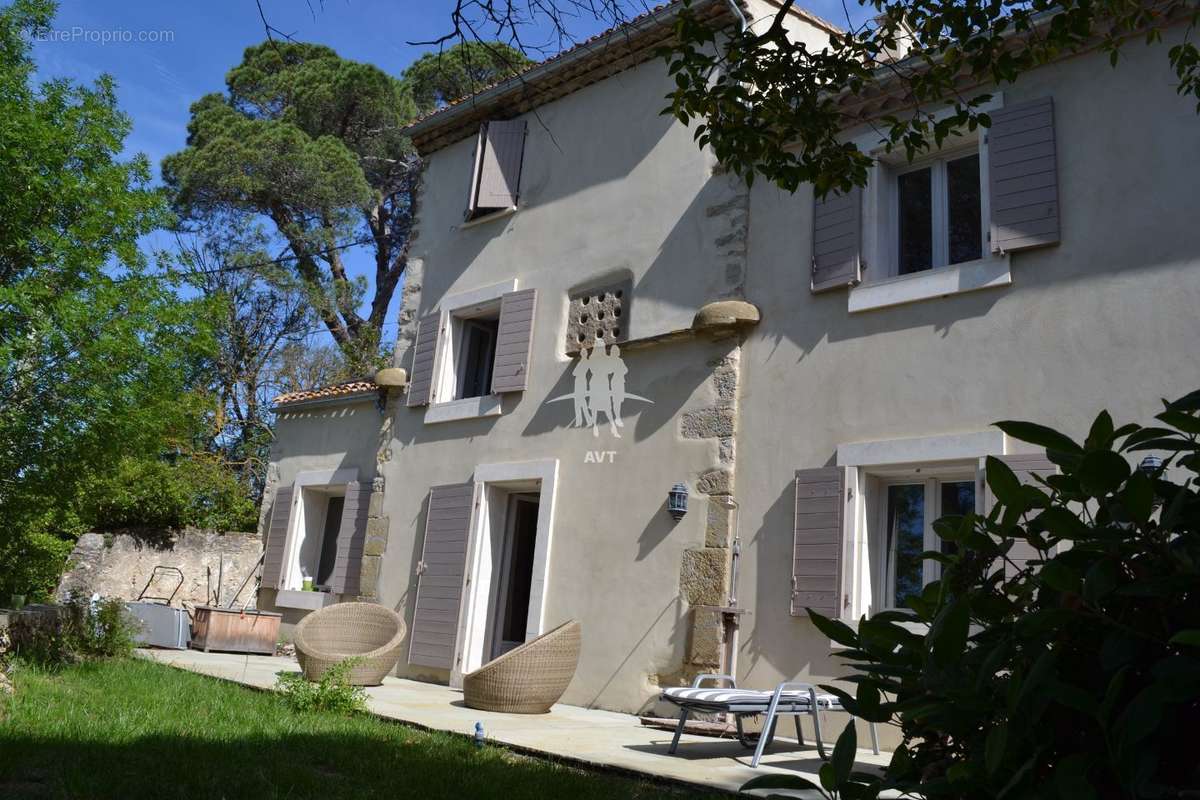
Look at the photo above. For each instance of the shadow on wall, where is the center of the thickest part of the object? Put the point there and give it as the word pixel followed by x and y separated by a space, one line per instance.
pixel 675 641
pixel 774 624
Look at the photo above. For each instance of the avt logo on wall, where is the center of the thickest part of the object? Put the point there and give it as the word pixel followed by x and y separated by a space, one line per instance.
pixel 599 393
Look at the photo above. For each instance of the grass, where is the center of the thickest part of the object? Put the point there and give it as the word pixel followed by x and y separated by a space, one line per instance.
pixel 134 729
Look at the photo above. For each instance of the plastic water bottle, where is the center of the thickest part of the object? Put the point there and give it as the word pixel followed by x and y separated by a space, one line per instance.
pixel 479 734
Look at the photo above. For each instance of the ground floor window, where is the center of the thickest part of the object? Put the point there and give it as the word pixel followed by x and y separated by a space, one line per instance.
pixel 901 529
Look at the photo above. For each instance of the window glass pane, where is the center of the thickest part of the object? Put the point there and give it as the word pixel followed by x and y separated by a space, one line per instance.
pixel 958 499
pixel 479 352
pixel 962 198
pixel 916 220
pixel 906 538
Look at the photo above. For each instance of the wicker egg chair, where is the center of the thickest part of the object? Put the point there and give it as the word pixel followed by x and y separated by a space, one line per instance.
pixel 371 633
pixel 528 679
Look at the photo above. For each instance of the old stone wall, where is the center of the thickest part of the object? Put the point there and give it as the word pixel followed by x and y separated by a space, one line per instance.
pixel 119 565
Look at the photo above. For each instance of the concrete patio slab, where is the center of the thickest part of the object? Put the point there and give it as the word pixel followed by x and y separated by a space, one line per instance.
pixel 587 737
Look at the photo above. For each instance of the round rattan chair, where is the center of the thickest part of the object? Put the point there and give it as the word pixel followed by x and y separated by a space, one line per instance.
pixel 528 679
pixel 371 633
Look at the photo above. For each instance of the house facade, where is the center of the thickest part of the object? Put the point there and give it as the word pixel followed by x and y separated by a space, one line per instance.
pixel 821 377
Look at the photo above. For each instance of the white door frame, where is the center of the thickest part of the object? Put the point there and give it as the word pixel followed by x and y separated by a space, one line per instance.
pixel 472 618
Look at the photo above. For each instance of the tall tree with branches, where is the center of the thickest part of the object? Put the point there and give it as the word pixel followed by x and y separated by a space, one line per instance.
pixel 313 143
pixel 258 311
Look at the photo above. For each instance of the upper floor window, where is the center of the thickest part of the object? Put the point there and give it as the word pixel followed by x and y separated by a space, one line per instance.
pixel 496 176
pixel 937 213
pixel 478 351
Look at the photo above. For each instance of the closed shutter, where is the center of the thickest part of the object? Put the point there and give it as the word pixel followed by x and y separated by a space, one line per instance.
pixel 500 165
pixel 277 531
pixel 514 341
pixel 352 533
pixel 1023 177
pixel 817 543
pixel 441 571
pixel 837 240
pixel 1025 466
pixel 420 386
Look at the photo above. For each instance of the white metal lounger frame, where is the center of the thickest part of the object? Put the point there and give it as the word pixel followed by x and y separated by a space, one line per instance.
pixel 779 706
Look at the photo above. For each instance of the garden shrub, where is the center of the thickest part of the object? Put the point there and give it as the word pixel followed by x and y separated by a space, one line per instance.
pixel 75 631
pixel 1076 675
pixel 332 692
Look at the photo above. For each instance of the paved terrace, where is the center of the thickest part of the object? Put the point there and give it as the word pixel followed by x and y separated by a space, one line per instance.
pixel 582 736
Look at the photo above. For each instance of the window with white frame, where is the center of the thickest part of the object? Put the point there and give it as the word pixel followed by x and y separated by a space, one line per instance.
pixel 902 507
pixel 934 211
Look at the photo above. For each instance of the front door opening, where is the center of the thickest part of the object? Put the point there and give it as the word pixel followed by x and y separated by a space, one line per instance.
pixel 514 574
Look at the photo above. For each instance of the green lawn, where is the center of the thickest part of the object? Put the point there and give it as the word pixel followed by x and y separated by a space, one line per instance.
pixel 133 729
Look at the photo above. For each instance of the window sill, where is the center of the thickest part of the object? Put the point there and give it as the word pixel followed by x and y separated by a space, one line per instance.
pixel 504 212
pixel 467 408
pixel 311 601
pixel 986 273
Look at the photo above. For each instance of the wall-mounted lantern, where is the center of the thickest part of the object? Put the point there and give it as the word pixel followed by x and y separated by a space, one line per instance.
pixel 677 500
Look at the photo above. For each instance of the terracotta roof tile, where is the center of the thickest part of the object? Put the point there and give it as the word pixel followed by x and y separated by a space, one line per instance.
pixel 325 392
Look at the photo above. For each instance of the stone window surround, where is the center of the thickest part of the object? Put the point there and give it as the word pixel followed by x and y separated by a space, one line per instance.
pixel 311 478
pixel 473 616
pixel 878 459
pixel 445 366
pixel 881 288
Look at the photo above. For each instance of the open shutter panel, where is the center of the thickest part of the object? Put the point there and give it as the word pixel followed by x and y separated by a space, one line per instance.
pixel 500 168
pixel 477 166
pixel 441 571
pixel 420 385
pixel 1023 177
pixel 817 547
pixel 837 240
pixel 352 533
pixel 1025 466
pixel 513 341
pixel 277 530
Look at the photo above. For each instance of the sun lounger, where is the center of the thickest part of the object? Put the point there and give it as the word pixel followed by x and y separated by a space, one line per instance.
pixel 788 699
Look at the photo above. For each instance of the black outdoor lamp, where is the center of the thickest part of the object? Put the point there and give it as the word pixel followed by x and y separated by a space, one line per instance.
pixel 677 500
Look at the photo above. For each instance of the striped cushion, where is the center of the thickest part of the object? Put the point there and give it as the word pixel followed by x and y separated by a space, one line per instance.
pixel 716 698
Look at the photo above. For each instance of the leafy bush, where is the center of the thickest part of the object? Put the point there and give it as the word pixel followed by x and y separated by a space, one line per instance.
pixel 332 692
pixel 156 494
pixel 75 631
pixel 1075 675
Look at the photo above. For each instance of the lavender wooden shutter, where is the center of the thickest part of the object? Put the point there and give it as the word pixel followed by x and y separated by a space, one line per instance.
pixel 1023 177
pixel 817 543
pixel 441 570
pixel 500 166
pixel 420 385
pixel 837 240
pixel 277 531
pixel 1026 466
pixel 514 341
pixel 352 533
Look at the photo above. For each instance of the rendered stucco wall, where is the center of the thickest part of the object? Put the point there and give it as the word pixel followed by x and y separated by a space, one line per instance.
pixel 1106 319
pixel 324 436
pixel 623 196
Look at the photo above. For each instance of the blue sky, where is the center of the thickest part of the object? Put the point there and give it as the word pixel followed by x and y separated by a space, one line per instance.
pixel 158 80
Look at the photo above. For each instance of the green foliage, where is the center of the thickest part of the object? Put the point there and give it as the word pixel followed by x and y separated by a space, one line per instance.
pixel 96 355
pixel 773 106
pixel 1072 675
pixel 158 494
pixel 332 693
pixel 436 79
pixel 79 631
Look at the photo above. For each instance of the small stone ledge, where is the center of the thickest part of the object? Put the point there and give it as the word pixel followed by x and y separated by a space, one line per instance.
pixel 725 314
